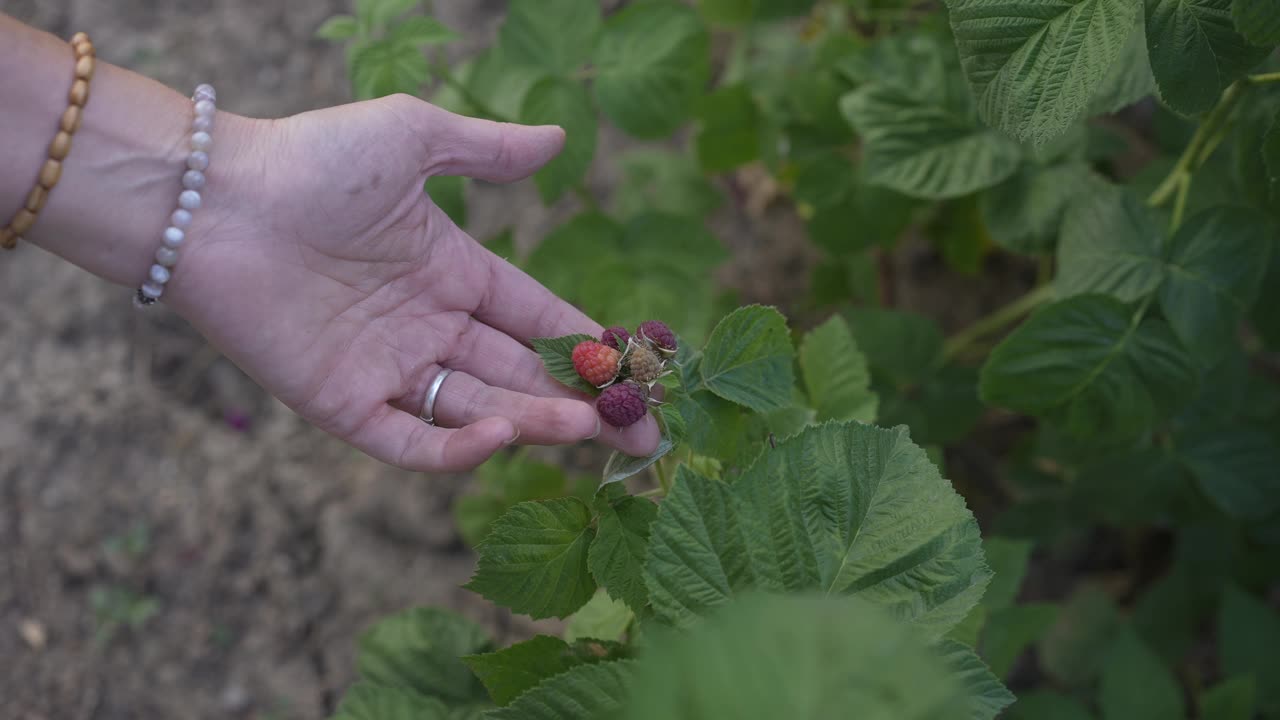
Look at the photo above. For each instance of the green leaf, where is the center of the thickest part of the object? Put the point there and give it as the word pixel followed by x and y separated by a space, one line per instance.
pixel 986 695
pixel 651 238
pixel 584 692
pixel 602 618
pixel 617 554
pixel 557 261
pixel 377 14
pixel 654 180
pixel 534 560
pixel 557 357
pixel 338 27
pixel 499 82
pixel 651 66
pixel 1008 560
pixel 621 466
pixel 418 650
pixel 511 671
pixel 800 658
pixel 941 410
pixel 1086 363
pixel 1231 699
pixel 1130 79
pixel 555 35
pixel 1238 468
pixel 419 31
pixel 1136 685
pixel 1258 20
pixel 1073 649
pixel 923 148
pixel 555 101
pixel 1196 52
pixel 1110 244
pixel 715 427
pixel 1011 630
pixel 450 193
pixel 1034 67
pixel 748 359
pixel 1248 635
pixel 1216 263
pixel 385 67
pixel 903 347
pixel 367 701
pixel 1048 705
pixel 729 132
pixel 846 509
pixel 1025 213
pixel 836 375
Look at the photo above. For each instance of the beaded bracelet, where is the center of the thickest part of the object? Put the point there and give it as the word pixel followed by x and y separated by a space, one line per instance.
pixel 193 181
pixel 26 216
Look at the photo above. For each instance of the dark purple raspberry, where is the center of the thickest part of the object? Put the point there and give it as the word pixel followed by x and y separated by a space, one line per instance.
pixel 615 337
pixel 658 333
pixel 622 404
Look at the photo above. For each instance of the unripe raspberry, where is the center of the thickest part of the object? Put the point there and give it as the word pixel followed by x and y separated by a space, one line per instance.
pixel 657 332
pixel 615 337
pixel 645 364
pixel 622 404
pixel 596 363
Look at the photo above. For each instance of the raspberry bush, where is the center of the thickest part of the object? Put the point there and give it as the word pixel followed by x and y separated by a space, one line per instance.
pixel 1100 179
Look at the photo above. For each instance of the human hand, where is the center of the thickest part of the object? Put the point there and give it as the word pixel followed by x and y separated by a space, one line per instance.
pixel 336 283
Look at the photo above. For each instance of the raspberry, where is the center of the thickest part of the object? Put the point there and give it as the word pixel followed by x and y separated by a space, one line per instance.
pixel 622 404
pixel 645 365
pixel 657 332
pixel 596 363
pixel 615 337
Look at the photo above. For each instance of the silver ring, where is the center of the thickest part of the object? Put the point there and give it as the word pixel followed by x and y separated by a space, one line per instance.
pixel 429 407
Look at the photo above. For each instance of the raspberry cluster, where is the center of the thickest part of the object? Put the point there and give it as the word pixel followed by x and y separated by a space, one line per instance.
pixel 626 366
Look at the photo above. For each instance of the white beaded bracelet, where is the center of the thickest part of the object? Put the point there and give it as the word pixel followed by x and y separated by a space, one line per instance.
pixel 193 181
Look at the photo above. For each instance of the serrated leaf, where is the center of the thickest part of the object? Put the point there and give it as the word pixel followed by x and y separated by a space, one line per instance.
pixel 617 554
pixel 748 358
pixel 1110 244
pixel 1008 560
pixel 557 261
pixel 1231 699
pixel 1257 20
pixel 338 27
pixel 1238 468
pixel 499 82
pixel 376 14
pixel 651 65
pixel 385 67
pixel 903 347
pixel 729 132
pixel 654 180
pixel 836 374
pixel 1026 212
pixel 557 358
pixel 1130 79
pixel 1248 635
pixel 534 559
pixel 715 426
pixel 418 650
pixel 555 35
pixel 621 466
pixel 584 692
pixel 602 618
pixel 1086 363
pixel 925 149
pixel 1034 67
pixel 1215 267
pixel 509 672
pixel 657 237
pixel 1011 630
pixel 795 657
pixel 985 694
pixel 419 31
pixel 369 701
pixel 1136 685
pixel 555 101
pixel 1196 52
pixel 847 509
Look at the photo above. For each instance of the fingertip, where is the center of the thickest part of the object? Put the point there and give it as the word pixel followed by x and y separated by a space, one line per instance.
pixel 638 440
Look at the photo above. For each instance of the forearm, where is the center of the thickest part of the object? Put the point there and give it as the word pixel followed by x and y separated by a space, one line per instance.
pixel 120 182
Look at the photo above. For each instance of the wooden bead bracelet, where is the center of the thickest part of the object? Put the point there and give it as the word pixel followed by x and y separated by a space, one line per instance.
pixel 59 148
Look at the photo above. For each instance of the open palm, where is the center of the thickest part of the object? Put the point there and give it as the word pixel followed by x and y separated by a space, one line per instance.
pixel 344 290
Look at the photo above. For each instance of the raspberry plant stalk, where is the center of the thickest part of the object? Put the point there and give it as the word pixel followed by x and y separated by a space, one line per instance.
pixel 1115 424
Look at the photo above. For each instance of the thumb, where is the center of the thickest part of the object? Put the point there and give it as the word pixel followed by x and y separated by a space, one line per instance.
pixel 482 149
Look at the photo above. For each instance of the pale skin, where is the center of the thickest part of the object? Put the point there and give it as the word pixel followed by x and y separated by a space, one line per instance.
pixel 316 262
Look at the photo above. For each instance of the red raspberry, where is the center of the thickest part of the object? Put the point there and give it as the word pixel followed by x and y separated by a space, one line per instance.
pixel 622 404
pixel 596 363
pixel 657 332
pixel 615 337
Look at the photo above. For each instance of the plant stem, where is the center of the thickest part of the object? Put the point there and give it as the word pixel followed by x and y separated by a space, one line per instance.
pixel 664 478
pixel 1180 201
pixel 1265 78
pixel 655 492
pixel 1203 143
pixel 957 343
